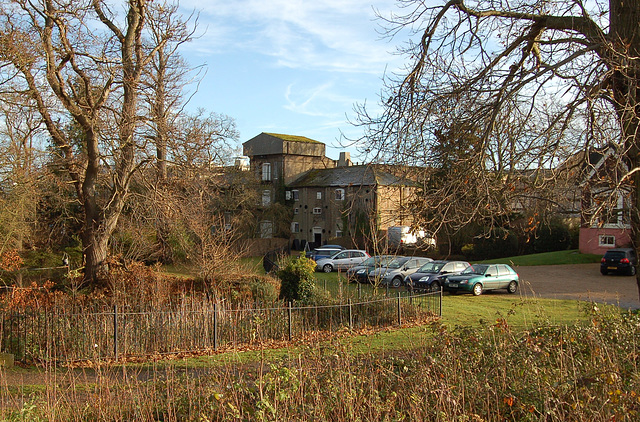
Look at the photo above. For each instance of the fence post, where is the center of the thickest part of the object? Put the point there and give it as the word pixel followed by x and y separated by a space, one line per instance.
pixel 351 315
pixel 215 325
pixel 399 315
pixel 440 303
pixel 290 325
pixel 115 332
pixel 359 291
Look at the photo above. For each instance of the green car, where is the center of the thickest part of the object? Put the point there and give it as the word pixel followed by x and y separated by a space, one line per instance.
pixel 480 277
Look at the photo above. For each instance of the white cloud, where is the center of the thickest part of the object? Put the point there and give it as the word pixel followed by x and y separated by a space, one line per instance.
pixel 328 35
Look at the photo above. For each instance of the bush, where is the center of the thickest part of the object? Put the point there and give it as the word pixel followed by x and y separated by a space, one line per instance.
pixel 552 236
pixel 498 244
pixel 297 277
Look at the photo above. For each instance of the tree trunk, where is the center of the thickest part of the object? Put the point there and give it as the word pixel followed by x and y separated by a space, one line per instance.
pixel 625 39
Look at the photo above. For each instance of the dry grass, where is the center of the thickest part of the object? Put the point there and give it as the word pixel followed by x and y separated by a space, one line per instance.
pixel 491 373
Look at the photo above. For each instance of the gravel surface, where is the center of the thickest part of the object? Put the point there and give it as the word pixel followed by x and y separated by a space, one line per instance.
pixel 580 281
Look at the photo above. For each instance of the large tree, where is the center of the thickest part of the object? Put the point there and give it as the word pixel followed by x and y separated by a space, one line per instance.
pixel 525 84
pixel 81 64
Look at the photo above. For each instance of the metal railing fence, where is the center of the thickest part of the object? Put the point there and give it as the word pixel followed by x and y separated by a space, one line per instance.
pixel 63 335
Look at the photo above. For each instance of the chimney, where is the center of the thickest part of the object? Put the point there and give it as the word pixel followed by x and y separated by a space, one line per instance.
pixel 345 159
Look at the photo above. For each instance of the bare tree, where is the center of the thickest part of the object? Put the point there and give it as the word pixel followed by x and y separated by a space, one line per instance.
pixel 81 62
pixel 19 173
pixel 508 90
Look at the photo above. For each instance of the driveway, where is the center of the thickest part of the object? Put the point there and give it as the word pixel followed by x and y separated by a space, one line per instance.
pixel 581 281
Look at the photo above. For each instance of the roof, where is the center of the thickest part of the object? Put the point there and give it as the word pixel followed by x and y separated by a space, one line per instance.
pixel 365 175
pixel 292 138
pixel 266 144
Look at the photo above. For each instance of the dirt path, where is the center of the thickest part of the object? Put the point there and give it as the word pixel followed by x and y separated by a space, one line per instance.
pixel 582 282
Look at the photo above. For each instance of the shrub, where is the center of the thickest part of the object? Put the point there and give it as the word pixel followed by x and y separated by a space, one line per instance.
pixel 499 243
pixel 297 277
pixel 552 236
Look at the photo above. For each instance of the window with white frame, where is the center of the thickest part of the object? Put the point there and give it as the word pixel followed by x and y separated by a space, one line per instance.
pixel 266 198
pixel 296 211
pixel 616 213
pixel 266 229
pixel 295 227
pixel 318 195
pixel 607 240
pixel 266 172
pixel 317 210
pixel 339 194
pixel 295 195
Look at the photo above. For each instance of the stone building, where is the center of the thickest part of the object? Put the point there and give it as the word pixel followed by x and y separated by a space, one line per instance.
pixel 328 199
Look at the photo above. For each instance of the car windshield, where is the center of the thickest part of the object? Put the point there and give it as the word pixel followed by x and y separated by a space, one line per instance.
pixel 370 262
pixel 431 267
pixel 614 255
pixel 476 269
pixel 397 263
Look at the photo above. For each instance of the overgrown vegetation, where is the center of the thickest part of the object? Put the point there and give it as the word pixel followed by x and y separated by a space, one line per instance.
pixel 482 373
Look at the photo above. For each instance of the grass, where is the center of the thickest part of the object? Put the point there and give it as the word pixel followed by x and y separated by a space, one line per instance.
pixel 549 258
pixel 494 357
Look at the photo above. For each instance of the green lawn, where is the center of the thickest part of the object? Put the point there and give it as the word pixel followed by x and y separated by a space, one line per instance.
pixel 550 258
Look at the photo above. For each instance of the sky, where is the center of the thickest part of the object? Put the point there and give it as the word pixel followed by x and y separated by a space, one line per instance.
pixel 291 66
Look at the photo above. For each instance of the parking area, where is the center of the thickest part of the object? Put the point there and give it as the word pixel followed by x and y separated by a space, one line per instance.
pixel 582 282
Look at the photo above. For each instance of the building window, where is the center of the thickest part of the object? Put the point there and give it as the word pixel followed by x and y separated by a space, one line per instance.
pixel 338 233
pixel 295 195
pixel 607 240
pixel 318 195
pixel 266 198
pixel 339 194
pixel 296 211
pixel 266 229
pixel 266 172
pixel 295 227
pixel 317 210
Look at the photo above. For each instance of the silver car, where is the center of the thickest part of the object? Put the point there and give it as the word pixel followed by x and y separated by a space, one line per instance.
pixel 395 272
pixel 342 260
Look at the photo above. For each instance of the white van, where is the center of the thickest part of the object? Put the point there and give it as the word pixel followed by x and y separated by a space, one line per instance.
pixel 399 236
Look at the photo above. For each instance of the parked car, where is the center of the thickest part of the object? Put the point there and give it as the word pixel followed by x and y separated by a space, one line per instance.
pixel 342 260
pixel 360 273
pixel 619 260
pixel 394 273
pixel 324 251
pixel 480 277
pixel 431 275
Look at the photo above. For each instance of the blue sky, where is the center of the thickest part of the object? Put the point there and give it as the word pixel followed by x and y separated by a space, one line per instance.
pixel 291 66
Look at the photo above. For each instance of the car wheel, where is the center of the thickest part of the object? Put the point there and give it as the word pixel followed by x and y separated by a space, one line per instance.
pixel 396 282
pixel 327 268
pixel 434 287
pixel 632 270
pixel 477 289
pixel 512 287
pixel 603 272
